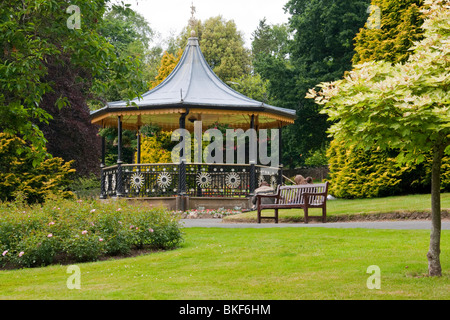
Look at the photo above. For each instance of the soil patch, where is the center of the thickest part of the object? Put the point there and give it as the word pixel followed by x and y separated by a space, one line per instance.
pixel 387 216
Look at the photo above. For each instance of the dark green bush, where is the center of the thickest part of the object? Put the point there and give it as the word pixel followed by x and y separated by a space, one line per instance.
pixel 85 188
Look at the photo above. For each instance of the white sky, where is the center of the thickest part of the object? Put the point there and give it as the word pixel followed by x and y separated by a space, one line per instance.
pixel 170 16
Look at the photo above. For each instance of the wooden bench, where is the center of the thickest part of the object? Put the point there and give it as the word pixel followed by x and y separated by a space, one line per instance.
pixel 303 196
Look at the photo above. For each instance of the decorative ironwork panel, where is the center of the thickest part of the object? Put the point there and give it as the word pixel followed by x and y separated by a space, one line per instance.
pixel 217 180
pixel 109 176
pixel 150 180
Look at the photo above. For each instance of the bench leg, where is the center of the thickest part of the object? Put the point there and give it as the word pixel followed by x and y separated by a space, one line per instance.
pixel 276 215
pixel 324 214
pixel 306 214
pixel 259 215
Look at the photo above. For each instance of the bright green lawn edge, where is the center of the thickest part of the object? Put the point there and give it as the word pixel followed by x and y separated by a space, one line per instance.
pixel 389 208
pixel 254 264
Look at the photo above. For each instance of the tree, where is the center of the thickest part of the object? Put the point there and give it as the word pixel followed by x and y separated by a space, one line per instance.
pixel 156 148
pixel 270 40
pixel 320 49
pixel 399 28
pixel 404 106
pixel 48 64
pixel 222 46
pixel 167 64
pixel 252 86
pixel 21 68
pixel 357 173
pixel 131 36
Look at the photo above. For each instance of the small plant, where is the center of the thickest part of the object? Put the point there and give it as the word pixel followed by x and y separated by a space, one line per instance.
pixel 202 212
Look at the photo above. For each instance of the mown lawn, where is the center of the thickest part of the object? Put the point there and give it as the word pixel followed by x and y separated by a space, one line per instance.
pixel 289 263
pixel 344 208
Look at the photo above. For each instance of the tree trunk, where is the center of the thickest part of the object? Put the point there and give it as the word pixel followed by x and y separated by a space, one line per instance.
pixel 434 264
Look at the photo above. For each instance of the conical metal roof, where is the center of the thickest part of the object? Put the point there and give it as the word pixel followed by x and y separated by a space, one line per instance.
pixel 192 84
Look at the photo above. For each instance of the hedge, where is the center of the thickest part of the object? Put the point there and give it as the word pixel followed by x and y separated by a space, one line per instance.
pixel 376 173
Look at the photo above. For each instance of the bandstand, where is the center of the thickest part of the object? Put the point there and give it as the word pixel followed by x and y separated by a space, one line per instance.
pixel 191 93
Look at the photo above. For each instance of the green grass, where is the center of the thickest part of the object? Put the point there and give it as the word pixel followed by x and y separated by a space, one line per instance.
pixel 274 263
pixel 337 209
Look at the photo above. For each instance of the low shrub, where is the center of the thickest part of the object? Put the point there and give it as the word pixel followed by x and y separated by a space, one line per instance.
pixel 86 188
pixel 68 230
pixel 84 246
pixel 34 249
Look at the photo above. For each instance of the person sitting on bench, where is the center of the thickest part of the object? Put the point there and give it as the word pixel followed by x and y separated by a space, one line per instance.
pixel 264 188
pixel 299 179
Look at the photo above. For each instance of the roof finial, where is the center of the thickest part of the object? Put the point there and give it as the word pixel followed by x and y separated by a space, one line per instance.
pixel 192 20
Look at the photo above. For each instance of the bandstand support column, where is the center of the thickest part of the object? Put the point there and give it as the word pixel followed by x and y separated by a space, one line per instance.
pixel 102 175
pixel 280 155
pixel 182 168
pixel 138 151
pixel 252 184
pixel 119 186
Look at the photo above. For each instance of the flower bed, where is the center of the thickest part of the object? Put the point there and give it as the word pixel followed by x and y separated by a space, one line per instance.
pixel 202 213
pixel 81 231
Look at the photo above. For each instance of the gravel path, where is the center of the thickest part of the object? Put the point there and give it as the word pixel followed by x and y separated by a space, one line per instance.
pixel 405 225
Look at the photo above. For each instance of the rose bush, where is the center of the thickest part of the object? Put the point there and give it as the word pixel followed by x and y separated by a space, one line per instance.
pixel 81 231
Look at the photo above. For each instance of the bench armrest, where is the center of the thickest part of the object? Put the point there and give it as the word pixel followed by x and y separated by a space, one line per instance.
pixel 259 196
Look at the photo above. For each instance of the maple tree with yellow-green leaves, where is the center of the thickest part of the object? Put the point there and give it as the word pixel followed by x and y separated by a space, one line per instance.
pixel 405 106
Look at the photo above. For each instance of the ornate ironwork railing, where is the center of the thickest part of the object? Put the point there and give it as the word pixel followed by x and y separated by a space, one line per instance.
pixel 212 180
pixel 200 180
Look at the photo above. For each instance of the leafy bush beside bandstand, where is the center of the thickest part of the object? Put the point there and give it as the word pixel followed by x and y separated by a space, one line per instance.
pixel 61 231
pixel 24 175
